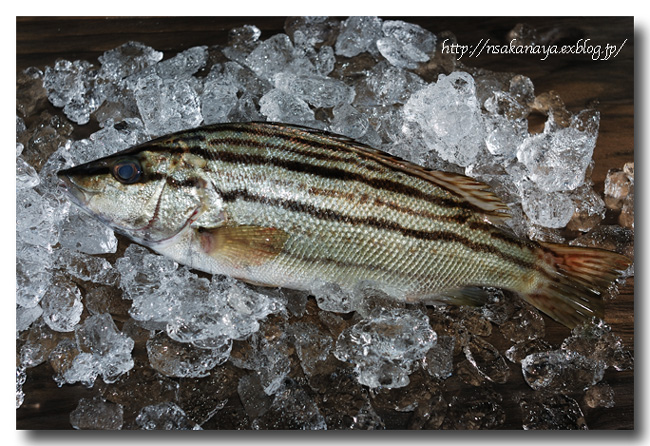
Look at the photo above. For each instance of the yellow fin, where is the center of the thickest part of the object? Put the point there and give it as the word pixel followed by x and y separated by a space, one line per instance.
pixel 472 191
pixel 242 245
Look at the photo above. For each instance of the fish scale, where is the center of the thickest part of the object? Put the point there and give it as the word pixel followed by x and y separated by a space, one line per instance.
pixel 281 205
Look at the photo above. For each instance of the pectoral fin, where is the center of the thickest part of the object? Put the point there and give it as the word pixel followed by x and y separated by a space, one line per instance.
pixel 242 245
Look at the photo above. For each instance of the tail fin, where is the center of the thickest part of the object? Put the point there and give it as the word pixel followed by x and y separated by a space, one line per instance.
pixel 575 280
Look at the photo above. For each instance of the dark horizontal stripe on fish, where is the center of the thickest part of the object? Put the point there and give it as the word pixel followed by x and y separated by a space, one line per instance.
pixel 331 215
pixel 501 235
pixel 326 172
pixel 352 197
pixel 200 142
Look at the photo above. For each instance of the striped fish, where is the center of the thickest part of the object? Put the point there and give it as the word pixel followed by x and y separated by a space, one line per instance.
pixel 287 206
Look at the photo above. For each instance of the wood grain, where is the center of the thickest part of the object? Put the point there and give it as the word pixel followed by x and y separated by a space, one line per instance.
pixel 579 81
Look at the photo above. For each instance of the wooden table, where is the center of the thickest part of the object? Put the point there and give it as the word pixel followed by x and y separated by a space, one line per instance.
pixel 578 80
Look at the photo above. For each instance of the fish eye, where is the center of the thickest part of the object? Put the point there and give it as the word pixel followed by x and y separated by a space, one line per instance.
pixel 127 171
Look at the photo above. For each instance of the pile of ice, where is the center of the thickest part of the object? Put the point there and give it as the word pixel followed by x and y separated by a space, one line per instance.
pixel 383 82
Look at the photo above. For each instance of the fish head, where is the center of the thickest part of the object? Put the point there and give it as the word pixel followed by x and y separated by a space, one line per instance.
pixel 139 193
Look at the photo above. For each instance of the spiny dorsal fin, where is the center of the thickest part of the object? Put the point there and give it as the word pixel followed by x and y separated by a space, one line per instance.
pixel 474 192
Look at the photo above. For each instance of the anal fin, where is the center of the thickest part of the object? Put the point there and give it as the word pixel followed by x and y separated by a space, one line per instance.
pixel 473 296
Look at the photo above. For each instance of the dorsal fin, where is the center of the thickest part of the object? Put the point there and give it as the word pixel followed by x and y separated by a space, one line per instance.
pixel 474 192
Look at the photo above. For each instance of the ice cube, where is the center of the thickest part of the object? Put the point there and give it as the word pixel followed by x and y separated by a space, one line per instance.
pixel 478 410
pixel 61 359
pixel 525 324
pixel 279 106
pixel 544 411
pixel 62 305
pixel 25 317
pixel 548 209
pixel 600 395
pixel 142 278
pixel 87 268
pixel 519 351
pixel 39 341
pixel 241 41
pixel 217 101
pixel 617 187
pixel 167 105
pixel 439 359
pixel 331 297
pixel 487 360
pixel 36 219
pixel 506 126
pixel 48 134
pixel 164 416
pixel 317 31
pixel 209 314
pixel 82 232
pixel 181 360
pixel 30 93
pixel 319 91
pixel 184 64
pixel 277 54
pixel 267 354
pixel 597 341
pixel 385 345
pixel 590 209
pixel 350 122
pixel 71 85
pixel 33 274
pixel 449 117
pixel 252 396
pixel 127 59
pixel 557 159
pixel 292 408
pixel 626 218
pixel 385 84
pixel 312 346
pixel 561 370
pixel 96 413
pixel 405 44
pixel 245 110
pixel 358 35
pixel 115 137
pixel 26 176
pixel 109 349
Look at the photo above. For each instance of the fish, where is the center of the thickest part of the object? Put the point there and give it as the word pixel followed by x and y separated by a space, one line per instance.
pixel 287 206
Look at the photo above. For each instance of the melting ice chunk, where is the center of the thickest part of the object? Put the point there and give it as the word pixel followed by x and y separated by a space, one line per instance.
pixel 385 346
pixel 104 351
pixel 449 116
pixel 167 105
pixel 358 34
pixel 561 370
pixel 319 91
pixel 164 416
pixel 96 413
pixel 557 159
pixel 406 44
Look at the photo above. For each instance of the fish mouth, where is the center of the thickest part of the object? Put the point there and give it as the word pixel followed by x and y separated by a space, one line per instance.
pixel 71 189
pixel 78 193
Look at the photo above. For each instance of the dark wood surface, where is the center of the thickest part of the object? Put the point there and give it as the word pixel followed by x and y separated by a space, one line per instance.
pixel 578 80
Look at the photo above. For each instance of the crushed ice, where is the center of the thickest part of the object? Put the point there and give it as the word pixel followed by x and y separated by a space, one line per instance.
pixel 371 80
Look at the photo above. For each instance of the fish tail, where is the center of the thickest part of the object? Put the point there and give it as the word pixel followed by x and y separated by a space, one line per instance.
pixel 573 282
